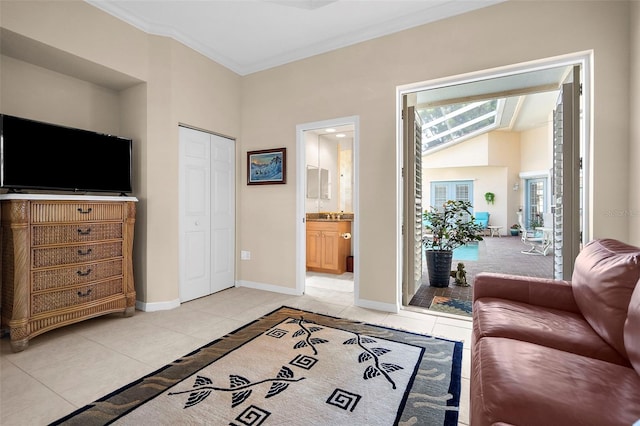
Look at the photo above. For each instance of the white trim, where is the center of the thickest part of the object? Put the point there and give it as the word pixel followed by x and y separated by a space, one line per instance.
pixel 301 249
pixel 582 58
pixel 157 306
pixel 65 197
pixel 268 287
pixel 534 174
pixel 378 306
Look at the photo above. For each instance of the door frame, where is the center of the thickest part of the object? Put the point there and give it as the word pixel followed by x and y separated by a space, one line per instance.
pixel 584 59
pixel 301 194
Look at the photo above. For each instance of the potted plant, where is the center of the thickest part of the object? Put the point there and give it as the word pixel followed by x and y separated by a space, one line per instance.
pixel 536 221
pixel 515 229
pixel 451 226
pixel 490 197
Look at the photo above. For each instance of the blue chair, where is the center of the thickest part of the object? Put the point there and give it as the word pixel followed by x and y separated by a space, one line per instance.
pixel 482 219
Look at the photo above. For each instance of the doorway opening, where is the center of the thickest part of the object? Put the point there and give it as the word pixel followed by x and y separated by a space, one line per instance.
pixel 509 148
pixel 327 208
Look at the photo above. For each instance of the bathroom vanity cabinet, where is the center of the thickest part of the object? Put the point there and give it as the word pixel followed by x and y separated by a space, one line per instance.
pixel 328 245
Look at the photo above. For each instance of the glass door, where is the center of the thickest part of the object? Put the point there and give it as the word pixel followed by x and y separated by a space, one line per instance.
pixel 535 202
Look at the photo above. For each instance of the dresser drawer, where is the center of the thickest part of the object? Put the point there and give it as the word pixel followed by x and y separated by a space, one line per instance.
pixel 75 233
pixel 74 275
pixel 54 256
pixel 50 212
pixel 52 300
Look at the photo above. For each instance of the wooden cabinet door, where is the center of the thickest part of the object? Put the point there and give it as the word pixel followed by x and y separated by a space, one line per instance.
pixel 330 249
pixel 314 249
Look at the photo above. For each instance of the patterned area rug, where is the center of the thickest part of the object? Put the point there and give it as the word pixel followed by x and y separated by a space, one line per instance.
pixel 294 367
pixel 451 306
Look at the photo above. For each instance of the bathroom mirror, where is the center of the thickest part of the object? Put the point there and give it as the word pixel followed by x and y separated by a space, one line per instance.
pixel 318 185
pixel 313 184
pixel 329 170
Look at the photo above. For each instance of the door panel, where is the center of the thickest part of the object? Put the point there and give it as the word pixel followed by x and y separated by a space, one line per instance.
pixel 330 243
pixel 314 249
pixel 207 213
pixel 566 177
pixel 195 214
pixel 535 202
pixel 413 208
pixel 223 208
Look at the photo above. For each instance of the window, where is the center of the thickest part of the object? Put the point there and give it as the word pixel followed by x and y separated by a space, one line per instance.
pixel 449 124
pixel 461 190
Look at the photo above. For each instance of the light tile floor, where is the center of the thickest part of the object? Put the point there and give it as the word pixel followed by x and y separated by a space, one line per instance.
pixel 70 367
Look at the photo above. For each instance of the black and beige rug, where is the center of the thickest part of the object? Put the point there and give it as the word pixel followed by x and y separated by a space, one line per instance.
pixel 294 367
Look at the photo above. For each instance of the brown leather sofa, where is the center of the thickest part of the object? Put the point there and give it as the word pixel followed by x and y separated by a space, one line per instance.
pixel 550 352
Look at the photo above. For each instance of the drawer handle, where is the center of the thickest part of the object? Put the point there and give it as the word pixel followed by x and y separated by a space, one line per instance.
pixel 85 294
pixel 87 232
pixel 84 274
pixel 84 253
pixel 82 211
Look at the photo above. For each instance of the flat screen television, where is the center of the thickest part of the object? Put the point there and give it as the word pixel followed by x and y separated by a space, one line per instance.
pixel 42 156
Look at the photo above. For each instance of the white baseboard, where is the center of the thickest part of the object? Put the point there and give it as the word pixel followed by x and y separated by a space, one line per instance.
pixel 268 287
pixel 172 304
pixel 378 306
pixel 157 306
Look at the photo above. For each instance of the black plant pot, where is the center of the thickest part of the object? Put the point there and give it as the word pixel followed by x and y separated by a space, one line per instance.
pixel 439 267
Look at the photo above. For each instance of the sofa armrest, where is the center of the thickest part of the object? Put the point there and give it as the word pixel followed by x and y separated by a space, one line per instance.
pixel 555 294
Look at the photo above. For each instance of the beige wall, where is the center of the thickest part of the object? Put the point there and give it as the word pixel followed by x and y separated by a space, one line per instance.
pixel 263 109
pixel 171 84
pixel 473 152
pixel 535 150
pixel 364 78
pixel 634 113
pixel 492 162
pixel 40 94
pixel 505 151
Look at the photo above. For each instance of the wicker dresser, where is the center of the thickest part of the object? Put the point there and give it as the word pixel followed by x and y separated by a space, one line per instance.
pixel 64 259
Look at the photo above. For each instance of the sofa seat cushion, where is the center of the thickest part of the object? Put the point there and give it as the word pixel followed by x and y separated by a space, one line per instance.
pixel 550 327
pixel 527 384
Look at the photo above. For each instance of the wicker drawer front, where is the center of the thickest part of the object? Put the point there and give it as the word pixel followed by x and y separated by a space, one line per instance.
pixel 75 233
pixel 75 275
pixel 49 301
pixel 48 212
pixel 54 256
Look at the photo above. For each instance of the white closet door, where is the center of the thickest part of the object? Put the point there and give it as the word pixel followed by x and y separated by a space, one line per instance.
pixel 207 214
pixel 223 210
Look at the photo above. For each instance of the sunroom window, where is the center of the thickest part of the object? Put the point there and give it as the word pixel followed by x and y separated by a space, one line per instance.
pixel 449 124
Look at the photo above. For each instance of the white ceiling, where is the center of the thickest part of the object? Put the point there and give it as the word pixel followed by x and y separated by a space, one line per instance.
pixel 247 36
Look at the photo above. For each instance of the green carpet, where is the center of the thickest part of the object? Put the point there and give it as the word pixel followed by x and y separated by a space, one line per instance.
pixel 293 367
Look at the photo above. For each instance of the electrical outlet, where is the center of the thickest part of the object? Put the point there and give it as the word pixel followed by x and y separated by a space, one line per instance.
pixel 245 255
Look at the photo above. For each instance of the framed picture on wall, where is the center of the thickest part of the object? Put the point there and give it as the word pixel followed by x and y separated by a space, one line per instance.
pixel 267 166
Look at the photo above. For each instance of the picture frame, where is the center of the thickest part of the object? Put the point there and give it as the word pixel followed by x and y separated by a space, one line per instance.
pixel 267 167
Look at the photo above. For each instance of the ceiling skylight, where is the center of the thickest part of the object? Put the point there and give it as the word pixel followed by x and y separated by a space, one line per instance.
pixel 450 124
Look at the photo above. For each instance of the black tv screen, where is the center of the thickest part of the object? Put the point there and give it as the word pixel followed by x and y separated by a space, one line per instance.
pixel 37 155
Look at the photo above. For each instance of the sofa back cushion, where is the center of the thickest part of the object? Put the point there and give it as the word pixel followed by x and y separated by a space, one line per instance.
pixel 632 330
pixel 604 276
